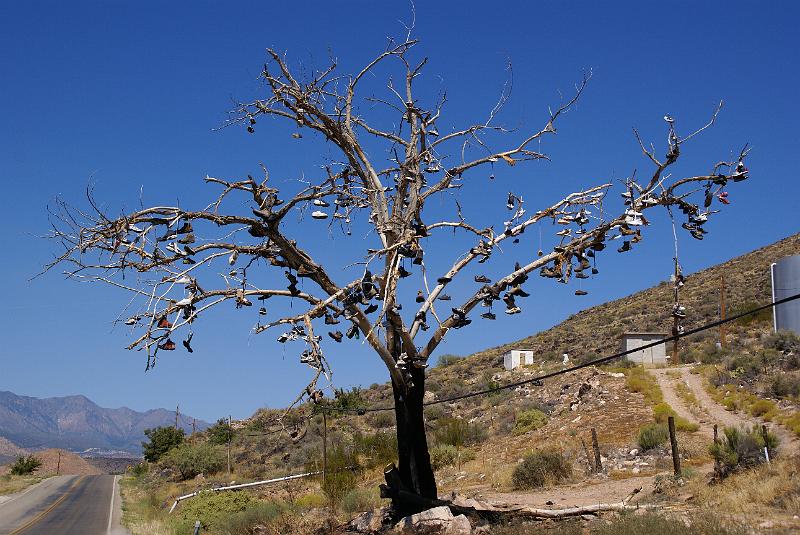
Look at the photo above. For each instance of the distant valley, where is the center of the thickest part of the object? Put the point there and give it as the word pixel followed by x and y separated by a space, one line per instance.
pixel 76 423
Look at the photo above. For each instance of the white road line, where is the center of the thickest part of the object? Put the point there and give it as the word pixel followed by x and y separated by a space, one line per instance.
pixel 111 508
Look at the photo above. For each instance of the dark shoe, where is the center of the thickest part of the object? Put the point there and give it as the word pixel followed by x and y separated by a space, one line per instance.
pixel 443 280
pixel 370 309
pixel 420 298
pixel 488 316
pixel 187 343
pixel 336 335
pixel 444 297
pixel 482 279
pixel 169 345
pixel 581 292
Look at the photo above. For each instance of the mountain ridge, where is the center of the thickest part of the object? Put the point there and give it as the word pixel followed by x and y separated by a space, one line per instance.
pixel 75 422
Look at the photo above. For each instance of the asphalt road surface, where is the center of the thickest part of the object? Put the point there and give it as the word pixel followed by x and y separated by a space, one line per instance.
pixel 64 505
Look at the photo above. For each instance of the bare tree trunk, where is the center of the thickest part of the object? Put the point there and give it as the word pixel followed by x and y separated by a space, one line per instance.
pixel 416 473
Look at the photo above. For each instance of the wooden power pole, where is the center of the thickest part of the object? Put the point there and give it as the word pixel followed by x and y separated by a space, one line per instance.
pixel 324 447
pixel 230 436
pixel 177 412
pixel 675 319
pixel 722 341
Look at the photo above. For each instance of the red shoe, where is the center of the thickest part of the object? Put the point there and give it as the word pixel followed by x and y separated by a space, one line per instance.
pixel 169 345
pixel 164 323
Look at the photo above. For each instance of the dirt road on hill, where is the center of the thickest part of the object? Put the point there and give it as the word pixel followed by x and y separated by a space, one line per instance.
pixel 708 412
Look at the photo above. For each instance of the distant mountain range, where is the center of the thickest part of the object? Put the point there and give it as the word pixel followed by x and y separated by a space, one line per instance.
pixel 76 423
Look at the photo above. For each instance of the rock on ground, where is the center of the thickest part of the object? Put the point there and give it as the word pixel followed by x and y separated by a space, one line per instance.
pixel 436 521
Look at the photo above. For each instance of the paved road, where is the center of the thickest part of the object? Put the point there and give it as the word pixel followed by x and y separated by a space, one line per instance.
pixel 64 505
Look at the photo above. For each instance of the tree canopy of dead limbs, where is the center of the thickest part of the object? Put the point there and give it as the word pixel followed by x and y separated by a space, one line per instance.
pixel 174 253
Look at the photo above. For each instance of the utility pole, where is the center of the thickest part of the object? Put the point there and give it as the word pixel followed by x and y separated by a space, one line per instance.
pixel 324 447
pixel 230 436
pixel 58 465
pixel 722 341
pixel 194 426
pixel 675 319
pixel 177 412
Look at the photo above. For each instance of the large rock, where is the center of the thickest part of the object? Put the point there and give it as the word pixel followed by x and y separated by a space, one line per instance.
pixel 436 521
pixel 369 522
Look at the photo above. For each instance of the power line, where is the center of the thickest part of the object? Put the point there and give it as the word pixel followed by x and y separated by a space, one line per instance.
pixel 602 360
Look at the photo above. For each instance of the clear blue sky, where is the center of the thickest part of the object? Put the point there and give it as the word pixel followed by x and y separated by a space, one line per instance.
pixel 128 94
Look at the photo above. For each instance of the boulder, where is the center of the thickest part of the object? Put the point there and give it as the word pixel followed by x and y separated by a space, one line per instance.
pixel 369 522
pixel 436 521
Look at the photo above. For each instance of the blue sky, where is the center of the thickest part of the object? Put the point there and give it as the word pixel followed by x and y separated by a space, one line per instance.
pixel 130 95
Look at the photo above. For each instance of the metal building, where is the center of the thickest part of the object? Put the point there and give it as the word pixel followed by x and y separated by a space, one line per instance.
pixel 517 357
pixel 652 356
pixel 785 283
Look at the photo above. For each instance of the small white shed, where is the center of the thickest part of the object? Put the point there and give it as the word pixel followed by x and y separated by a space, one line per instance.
pixel 517 357
pixel 652 356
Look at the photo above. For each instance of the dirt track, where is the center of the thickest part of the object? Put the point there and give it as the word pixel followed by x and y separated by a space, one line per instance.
pixel 706 414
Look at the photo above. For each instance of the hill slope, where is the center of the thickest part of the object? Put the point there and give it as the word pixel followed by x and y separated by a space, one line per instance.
pixel 77 423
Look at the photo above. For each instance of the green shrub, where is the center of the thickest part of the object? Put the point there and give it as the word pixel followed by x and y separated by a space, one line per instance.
pixel 443 455
pixel 247 521
pixel 190 460
pixel 741 448
pixel 160 441
pixel 382 419
pixel 529 420
pixel 541 468
pixel 377 449
pixel 447 359
pixel 458 432
pixel 761 316
pixel 311 500
pixel 139 469
pixel 220 433
pixel 358 500
pixel 652 435
pixel 638 380
pixel 784 386
pixel 25 464
pixel 762 407
pixel 347 400
pixel 213 509
pixel 653 523
pixel 341 476
pixel 662 412
pixel 783 341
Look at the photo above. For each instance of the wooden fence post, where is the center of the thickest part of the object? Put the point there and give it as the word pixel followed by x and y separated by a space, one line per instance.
pixel 766 444
pixel 324 447
pixel 673 440
pixel 197 528
pixel 588 457
pixel 598 462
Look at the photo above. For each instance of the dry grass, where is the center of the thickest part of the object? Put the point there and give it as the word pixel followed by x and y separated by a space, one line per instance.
pixel 10 484
pixel 761 491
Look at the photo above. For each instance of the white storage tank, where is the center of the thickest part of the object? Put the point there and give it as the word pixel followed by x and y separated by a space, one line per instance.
pixel 785 283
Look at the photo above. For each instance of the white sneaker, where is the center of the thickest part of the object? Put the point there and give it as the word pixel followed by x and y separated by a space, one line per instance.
pixel 320 202
pixel 183 280
pixel 319 214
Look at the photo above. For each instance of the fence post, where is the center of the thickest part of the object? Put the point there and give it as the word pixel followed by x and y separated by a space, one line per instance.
pixel 673 440
pixel 598 462
pixel 588 457
pixel 324 447
pixel 197 528
pixel 766 444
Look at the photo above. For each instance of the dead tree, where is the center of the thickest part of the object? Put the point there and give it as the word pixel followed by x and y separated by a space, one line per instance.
pixel 168 257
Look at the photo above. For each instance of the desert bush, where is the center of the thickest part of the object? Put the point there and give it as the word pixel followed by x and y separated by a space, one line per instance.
pixel 160 441
pixel 377 449
pixel 312 500
pixel 661 413
pixel 443 455
pixel 447 359
pixel 190 460
pixel 541 468
pixel 347 400
pixel 458 432
pixel 25 464
pixel 783 341
pixel 342 474
pixel 358 500
pixel 762 407
pixel 784 386
pixel 652 435
pixel 250 520
pixel 139 469
pixel 434 412
pixel 636 524
pixel 761 316
pixel 529 420
pixel 213 509
pixel 382 419
pixel 220 433
pixel 638 380
pixel 741 448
